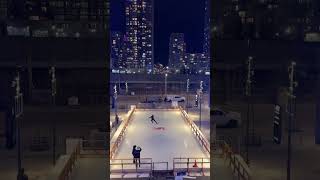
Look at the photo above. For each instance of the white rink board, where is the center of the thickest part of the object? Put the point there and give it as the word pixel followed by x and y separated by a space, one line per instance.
pixel 175 141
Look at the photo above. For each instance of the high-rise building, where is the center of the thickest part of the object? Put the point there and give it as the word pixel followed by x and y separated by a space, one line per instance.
pixel 177 49
pixel 59 18
pixel 3 9
pixel 116 49
pixel 206 44
pixel 195 62
pixel 139 31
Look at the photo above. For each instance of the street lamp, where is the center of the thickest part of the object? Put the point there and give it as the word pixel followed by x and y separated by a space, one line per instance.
pixel 18 111
pixel 127 89
pixel 188 84
pixel 52 72
pixel 248 94
pixel 119 79
pixel 115 102
pixel 291 97
pixel 165 84
pixel 200 97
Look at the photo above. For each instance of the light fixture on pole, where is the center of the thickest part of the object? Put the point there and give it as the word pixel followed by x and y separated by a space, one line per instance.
pixel 52 72
pixel 18 111
pixel 200 98
pixel 291 97
pixel 115 101
pixel 165 85
pixel 250 73
pixel 188 84
pixel 127 88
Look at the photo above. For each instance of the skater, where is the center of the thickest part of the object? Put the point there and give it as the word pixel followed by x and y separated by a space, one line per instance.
pixel 152 119
pixel 117 119
pixel 136 155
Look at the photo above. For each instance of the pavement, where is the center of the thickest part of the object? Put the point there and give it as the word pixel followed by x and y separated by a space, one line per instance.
pixel 90 168
pixel 268 162
pixel 35 167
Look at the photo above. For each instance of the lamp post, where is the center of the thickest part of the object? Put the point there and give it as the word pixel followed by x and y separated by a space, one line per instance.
pixel 188 84
pixel 248 94
pixel 200 97
pixel 119 79
pixel 127 88
pixel 52 72
pixel 291 97
pixel 165 84
pixel 115 102
pixel 18 111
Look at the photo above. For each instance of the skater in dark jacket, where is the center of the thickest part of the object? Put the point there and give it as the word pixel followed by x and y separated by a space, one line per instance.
pixel 152 119
pixel 136 155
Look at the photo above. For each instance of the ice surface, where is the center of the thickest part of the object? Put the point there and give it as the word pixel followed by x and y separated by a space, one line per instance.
pixel 175 141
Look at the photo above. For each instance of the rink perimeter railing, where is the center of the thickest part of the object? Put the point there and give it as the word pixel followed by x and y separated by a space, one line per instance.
pixel 196 131
pixel 235 161
pixel 123 166
pixel 192 166
pixel 119 134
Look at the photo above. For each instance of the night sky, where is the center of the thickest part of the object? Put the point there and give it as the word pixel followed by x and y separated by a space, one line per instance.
pixel 181 16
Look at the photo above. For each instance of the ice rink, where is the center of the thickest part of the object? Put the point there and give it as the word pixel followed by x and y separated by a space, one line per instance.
pixel 162 145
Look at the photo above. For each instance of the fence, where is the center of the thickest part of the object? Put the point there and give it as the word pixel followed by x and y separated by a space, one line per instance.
pixel 190 165
pixel 128 166
pixel 65 164
pixel 119 135
pixel 239 167
pixel 203 141
pixel 160 167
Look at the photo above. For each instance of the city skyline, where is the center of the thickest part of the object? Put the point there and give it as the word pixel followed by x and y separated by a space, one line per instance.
pixel 168 20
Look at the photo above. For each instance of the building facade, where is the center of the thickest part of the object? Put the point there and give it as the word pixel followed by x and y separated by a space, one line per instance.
pixel 116 50
pixel 206 37
pixel 139 34
pixel 55 18
pixel 177 50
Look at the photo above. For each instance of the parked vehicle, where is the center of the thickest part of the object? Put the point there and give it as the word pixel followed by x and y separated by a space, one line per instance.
pixel 170 98
pixel 226 119
pixel 153 99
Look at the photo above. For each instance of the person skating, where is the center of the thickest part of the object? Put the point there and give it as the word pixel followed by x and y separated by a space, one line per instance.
pixel 152 119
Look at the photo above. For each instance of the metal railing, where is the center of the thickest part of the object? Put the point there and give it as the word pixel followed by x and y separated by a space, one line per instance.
pixel 128 166
pixel 166 165
pixel 239 167
pixel 93 145
pixel 114 146
pixel 196 131
pixel 190 165
pixel 68 162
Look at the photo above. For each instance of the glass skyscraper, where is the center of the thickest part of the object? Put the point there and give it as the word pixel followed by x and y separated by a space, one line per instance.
pixel 177 49
pixel 206 44
pixel 139 33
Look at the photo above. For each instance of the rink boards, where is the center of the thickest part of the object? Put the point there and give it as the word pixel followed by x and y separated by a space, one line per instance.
pixel 175 143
